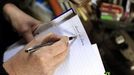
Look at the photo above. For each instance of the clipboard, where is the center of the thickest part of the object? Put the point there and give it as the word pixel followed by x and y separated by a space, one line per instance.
pixel 83 57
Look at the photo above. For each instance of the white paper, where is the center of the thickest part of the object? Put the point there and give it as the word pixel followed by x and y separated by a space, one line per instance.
pixel 83 58
pixel 83 63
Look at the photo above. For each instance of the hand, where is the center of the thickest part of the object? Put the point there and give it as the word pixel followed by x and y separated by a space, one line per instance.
pixel 41 62
pixel 23 23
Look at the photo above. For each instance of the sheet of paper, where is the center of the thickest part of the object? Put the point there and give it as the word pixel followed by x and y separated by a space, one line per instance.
pixel 98 68
pixel 90 66
pixel 83 58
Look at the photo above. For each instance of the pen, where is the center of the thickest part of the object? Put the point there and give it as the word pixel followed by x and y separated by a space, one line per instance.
pixel 34 48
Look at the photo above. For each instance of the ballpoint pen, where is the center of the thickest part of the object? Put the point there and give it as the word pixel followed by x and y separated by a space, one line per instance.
pixel 34 48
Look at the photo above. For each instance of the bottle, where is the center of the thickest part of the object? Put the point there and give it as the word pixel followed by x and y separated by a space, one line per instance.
pixel 82 8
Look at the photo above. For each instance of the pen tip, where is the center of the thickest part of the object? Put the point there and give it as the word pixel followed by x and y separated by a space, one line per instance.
pixel 70 38
pixel 26 51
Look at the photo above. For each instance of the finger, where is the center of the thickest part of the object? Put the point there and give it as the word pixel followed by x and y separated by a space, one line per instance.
pixel 55 62
pixel 59 47
pixel 60 58
pixel 35 25
pixel 39 40
pixel 50 51
pixel 50 37
pixel 28 36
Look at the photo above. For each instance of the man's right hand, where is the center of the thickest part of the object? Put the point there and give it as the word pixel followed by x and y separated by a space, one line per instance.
pixel 43 61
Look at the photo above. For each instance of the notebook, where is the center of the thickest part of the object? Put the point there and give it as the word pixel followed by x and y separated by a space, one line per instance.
pixel 83 57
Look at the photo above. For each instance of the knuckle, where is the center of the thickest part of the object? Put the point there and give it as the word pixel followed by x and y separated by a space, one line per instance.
pixel 44 54
pixel 51 34
pixel 65 39
pixel 63 46
pixel 23 29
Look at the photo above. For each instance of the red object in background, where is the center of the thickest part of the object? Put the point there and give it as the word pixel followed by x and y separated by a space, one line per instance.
pixel 55 7
pixel 105 7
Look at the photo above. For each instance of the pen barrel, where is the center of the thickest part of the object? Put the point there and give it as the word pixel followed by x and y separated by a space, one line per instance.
pixel 35 48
